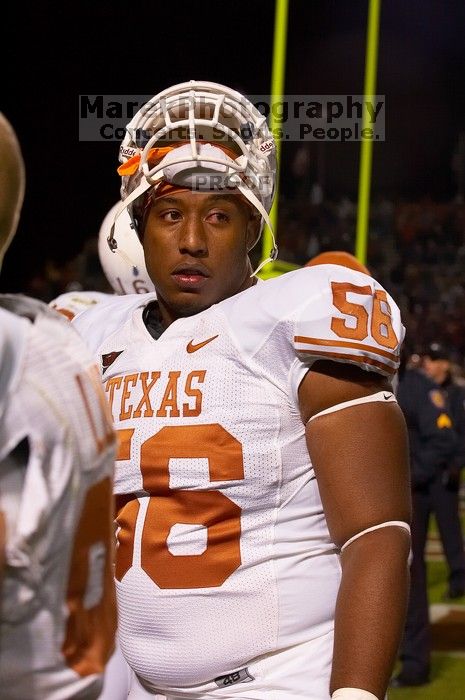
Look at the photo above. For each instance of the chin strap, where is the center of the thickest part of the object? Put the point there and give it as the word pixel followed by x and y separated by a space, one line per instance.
pixel 271 258
pixel 248 194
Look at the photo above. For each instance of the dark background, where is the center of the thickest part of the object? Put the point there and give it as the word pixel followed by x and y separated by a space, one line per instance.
pixel 54 52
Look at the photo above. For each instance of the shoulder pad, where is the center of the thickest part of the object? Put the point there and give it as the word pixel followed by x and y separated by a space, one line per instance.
pixel 101 320
pixel 71 304
pixel 348 317
pixel 326 312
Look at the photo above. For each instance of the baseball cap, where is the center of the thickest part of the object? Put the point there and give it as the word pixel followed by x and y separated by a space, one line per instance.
pixel 437 351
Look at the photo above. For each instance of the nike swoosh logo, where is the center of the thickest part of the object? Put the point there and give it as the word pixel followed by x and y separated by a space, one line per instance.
pixel 387 396
pixel 193 347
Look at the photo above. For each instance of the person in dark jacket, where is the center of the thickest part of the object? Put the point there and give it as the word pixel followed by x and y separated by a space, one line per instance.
pixel 433 443
pixel 437 366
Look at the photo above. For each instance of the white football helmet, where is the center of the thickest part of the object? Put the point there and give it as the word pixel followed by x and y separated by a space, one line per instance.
pixel 202 136
pixel 124 267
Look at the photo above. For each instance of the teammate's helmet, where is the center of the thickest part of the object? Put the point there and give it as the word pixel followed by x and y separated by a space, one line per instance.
pixel 338 257
pixel 124 267
pixel 12 179
pixel 200 136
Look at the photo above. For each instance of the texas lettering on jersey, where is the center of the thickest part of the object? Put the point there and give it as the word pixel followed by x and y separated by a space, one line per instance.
pixel 172 394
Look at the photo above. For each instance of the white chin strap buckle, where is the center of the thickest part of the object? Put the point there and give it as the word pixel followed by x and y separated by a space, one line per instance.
pixel 272 257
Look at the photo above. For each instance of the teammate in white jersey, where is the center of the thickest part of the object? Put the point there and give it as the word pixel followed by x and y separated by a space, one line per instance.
pixel 262 471
pixel 58 608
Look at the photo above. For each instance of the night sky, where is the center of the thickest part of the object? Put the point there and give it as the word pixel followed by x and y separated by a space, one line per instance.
pixel 141 48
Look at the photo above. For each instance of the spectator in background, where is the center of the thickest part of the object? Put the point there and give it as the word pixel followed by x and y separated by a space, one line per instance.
pixel 437 366
pixel 433 445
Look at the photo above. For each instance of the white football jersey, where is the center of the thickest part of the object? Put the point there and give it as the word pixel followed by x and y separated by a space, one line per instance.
pixel 71 304
pixel 223 548
pixel 57 449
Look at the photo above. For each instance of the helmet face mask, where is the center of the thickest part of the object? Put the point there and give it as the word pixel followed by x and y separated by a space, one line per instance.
pixel 124 267
pixel 201 136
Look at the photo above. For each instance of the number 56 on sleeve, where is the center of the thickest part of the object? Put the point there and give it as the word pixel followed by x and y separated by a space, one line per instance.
pixel 379 321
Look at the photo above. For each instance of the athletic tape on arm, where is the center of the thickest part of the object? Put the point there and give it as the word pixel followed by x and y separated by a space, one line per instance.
pixel 388 523
pixel 352 694
pixel 383 396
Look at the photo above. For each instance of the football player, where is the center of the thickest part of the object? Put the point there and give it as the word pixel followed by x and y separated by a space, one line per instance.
pixel 57 449
pixel 262 472
pixel 124 268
